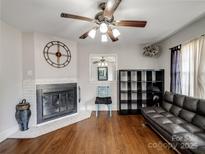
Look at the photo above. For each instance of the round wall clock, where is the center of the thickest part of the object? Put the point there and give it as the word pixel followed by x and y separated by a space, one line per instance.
pixel 57 54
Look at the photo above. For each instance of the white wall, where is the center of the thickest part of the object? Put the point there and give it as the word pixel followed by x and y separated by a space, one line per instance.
pixel 28 56
pixel 35 66
pixel 128 57
pixel 42 69
pixel 186 34
pixel 10 77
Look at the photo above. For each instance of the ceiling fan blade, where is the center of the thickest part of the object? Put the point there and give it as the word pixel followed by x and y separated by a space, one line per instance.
pixel 85 35
pixel 110 8
pixel 72 16
pixel 130 23
pixel 109 32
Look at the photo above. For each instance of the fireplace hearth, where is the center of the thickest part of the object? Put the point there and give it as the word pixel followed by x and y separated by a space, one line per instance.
pixel 56 100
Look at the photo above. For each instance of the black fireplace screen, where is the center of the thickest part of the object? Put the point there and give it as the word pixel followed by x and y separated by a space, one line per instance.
pixel 55 101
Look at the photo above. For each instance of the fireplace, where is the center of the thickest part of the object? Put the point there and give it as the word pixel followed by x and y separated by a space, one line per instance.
pixel 56 100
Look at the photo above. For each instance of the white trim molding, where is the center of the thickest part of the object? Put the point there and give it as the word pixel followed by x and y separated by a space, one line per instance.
pixel 48 127
pixel 7 133
pixel 56 81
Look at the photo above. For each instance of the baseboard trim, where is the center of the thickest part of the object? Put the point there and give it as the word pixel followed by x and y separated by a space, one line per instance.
pixel 7 133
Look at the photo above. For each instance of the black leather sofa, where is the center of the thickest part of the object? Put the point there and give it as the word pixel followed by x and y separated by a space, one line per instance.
pixel 180 120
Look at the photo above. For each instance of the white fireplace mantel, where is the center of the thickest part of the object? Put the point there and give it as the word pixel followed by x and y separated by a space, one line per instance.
pixel 56 81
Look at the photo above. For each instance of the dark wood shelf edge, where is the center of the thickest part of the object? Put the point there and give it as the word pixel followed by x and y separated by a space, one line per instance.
pixel 129 112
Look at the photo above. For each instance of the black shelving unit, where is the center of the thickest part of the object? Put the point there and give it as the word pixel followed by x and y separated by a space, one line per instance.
pixel 136 89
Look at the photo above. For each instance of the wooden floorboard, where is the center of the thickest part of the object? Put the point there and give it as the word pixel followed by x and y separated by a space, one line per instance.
pixel 102 135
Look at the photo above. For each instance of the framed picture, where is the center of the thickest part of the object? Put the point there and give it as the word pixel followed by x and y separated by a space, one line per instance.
pixel 102 73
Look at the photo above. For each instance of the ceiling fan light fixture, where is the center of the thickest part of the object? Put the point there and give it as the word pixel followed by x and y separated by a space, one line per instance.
pixel 103 27
pixel 92 33
pixel 104 38
pixel 115 33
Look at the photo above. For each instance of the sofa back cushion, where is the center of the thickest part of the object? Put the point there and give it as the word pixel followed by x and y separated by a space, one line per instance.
pixel 199 121
pixel 178 100
pixel 190 104
pixel 168 97
pixel 187 115
pixel 168 101
pixel 199 118
pixel 175 110
pixel 189 109
pixel 167 106
pixel 201 107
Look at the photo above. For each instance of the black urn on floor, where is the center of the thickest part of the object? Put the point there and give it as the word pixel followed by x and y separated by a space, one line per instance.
pixel 23 114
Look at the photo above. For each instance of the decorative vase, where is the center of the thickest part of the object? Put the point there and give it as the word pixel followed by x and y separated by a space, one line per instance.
pixel 23 114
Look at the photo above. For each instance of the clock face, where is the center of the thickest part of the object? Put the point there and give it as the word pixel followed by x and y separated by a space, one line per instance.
pixel 57 54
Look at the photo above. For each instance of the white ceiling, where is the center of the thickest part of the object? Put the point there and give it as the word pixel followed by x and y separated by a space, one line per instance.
pixel 164 17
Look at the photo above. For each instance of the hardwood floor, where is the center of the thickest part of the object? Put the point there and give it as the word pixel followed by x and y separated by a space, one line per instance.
pixel 102 135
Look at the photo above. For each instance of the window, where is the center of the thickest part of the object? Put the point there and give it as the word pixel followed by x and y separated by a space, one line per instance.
pixel 193 68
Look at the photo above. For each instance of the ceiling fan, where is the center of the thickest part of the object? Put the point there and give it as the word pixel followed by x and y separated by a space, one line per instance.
pixel 105 21
pixel 102 62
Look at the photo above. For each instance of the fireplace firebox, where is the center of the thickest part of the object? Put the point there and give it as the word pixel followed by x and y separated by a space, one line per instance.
pixel 55 100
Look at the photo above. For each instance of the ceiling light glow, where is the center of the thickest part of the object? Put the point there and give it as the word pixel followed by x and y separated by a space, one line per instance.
pixel 115 33
pixel 103 28
pixel 92 33
pixel 104 38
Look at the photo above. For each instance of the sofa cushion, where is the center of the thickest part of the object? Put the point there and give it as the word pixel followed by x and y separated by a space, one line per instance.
pixel 190 104
pixel 159 110
pixel 168 96
pixel 162 120
pixel 178 100
pixel 175 110
pixel 201 107
pixel 167 114
pixel 191 128
pixel 154 115
pixel 148 110
pixel 167 106
pixel 177 120
pixel 186 115
pixel 201 135
pixel 174 128
pixel 191 140
pixel 199 121
pixel 199 150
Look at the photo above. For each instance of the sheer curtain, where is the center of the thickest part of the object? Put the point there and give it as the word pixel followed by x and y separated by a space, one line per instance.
pixel 193 68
